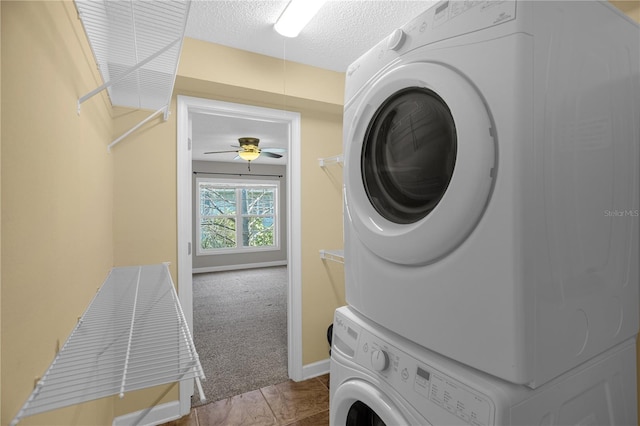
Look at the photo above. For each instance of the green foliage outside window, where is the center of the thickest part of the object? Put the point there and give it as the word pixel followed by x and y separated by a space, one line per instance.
pixel 223 207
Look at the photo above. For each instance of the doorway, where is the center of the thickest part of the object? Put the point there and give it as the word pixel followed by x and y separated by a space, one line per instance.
pixel 186 107
pixel 240 330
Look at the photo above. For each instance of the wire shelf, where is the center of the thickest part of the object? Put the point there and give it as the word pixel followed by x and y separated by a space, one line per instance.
pixel 137 46
pixel 132 336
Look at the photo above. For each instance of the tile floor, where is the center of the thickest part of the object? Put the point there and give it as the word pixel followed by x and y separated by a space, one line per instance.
pixel 285 404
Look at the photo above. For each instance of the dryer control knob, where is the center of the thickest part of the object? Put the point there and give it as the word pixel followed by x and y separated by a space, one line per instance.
pixel 396 39
pixel 379 360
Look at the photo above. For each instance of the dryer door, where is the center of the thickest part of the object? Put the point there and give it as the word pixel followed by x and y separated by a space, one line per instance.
pixel 357 403
pixel 419 163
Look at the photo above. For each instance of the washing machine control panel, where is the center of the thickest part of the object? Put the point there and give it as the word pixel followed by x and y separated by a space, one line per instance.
pixel 432 392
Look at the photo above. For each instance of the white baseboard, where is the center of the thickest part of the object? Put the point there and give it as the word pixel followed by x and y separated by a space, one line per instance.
pixel 316 369
pixel 238 267
pixel 152 416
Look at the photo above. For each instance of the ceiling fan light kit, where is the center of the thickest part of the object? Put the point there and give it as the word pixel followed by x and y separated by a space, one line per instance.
pixel 249 150
pixel 249 142
pixel 249 155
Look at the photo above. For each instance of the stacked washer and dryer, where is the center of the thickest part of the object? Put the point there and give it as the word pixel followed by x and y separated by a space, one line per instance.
pixel 491 187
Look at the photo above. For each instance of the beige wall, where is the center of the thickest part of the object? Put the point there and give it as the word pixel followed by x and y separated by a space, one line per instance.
pixel 71 210
pixel 57 197
pixel 145 174
pixel 145 168
pixel 217 72
pixel 270 79
pixel 145 209
pixel 322 281
pixel 630 7
pixel 145 212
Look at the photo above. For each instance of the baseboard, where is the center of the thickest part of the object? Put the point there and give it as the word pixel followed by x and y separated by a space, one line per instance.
pixel 155 415
pixel 316 369
pixel 239 267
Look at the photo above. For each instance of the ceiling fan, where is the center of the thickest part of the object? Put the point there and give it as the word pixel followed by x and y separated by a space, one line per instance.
pixel 249 151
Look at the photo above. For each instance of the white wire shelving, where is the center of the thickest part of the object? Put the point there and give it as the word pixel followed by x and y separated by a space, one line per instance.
pixel 136 45
pixel 132 336
pixel 332 255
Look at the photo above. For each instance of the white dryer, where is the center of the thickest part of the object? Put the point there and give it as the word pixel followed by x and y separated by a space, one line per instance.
pixel 492 180
pixel 380 379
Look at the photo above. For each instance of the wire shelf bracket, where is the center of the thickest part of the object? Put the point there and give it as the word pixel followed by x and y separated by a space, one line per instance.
pixel 133 335
pixel 137 46
pixel 328 161
pixel 136 127
pixel 333 255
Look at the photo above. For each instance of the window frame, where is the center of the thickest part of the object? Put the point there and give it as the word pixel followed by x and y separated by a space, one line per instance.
pixel 238 186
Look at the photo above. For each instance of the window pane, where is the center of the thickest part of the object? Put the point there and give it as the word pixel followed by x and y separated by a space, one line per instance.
pixel 218 233
pixel 257 231
pixel 258 201
pixel 237 216
pixel 216 201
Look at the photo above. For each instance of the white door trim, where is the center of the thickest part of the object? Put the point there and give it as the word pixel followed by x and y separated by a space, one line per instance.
pixel 187 105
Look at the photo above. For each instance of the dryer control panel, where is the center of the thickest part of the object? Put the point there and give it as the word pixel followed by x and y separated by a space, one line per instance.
pixel 436 395
pixel 443 21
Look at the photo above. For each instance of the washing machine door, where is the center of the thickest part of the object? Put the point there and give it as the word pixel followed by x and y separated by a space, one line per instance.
pixel 358 403
pixel 419 163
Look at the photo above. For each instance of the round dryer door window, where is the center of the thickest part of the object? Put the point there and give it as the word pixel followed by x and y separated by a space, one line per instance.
pixel 419 163
pixel 408 155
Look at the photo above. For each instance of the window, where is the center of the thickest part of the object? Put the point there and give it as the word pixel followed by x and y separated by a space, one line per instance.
pixel 237 217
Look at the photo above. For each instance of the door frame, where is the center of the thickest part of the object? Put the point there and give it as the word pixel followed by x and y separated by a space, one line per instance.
pixel 186 106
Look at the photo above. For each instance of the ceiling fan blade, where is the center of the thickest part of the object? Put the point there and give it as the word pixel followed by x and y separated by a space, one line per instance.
pixel 270 154
pixel 273 150
pixel 220 152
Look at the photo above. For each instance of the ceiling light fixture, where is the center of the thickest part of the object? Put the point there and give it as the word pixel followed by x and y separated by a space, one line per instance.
pixel 249 155
pixel 296 15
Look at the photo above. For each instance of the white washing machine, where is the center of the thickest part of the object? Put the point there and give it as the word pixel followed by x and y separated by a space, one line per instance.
pixel 491 183
pixel 379 378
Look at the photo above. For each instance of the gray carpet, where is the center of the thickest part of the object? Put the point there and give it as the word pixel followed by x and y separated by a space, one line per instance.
pixel 240 330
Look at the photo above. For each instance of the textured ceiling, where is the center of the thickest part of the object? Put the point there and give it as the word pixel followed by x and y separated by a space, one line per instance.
pixel 340 33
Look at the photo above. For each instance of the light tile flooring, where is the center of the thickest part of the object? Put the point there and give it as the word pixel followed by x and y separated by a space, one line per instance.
pixel 285 404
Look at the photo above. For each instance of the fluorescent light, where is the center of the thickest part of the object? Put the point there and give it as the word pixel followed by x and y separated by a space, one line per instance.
pixel 296 15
